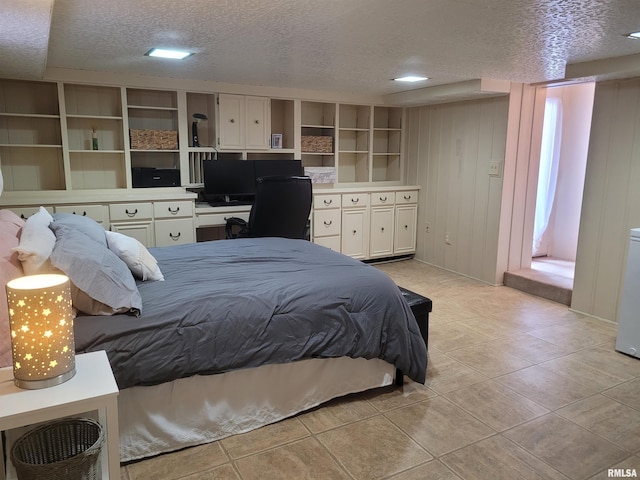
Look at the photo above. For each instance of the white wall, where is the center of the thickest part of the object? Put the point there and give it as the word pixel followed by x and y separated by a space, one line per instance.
pixel 562 233
pixel 449 148
pixel 611 200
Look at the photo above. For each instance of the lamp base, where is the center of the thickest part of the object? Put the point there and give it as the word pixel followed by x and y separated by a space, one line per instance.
pixel 46 382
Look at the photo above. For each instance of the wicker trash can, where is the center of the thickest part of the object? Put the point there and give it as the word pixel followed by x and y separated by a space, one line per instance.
pixel 65 449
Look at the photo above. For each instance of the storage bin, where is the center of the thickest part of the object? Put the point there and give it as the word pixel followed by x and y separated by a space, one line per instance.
pixel 66 449
pixel 317 144
pixel 153 139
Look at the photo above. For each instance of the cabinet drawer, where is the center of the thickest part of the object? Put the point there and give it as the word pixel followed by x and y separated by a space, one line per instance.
pixel 326 222
pixel 174 232
pixel 130 211
pixel 173 209
pixel 326 201
pixel 218 219
pixel 383 198
pixel 332 243
pixel 95 212
pixel 409 196
pixel 26 212
pixel 355 200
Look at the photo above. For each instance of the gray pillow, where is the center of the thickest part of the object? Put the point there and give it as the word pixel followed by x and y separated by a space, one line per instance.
pixel 86 225
pixel 95 271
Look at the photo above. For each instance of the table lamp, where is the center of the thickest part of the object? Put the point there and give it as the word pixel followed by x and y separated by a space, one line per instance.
pixel 194 128
pixel 41 323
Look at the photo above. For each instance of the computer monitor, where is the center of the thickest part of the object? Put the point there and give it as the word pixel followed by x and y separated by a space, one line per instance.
pixel 229 180
pixel 266 168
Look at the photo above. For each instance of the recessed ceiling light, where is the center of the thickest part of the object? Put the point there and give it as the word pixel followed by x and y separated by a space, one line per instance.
pixel 635 35
pixel 410 78
pixel 164 53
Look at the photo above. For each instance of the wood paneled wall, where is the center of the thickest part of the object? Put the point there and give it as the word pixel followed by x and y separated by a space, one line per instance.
pixel 449 148
pixel 611 200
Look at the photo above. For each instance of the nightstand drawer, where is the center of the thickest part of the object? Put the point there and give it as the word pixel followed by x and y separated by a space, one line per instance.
pixel 130 211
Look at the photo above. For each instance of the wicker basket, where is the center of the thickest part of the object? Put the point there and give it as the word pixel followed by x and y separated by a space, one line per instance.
pixel 317 144
pixel 153 139
pixel 65 449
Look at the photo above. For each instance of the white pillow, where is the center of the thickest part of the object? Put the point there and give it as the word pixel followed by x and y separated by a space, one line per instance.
pixel 135 255
pixel 36 243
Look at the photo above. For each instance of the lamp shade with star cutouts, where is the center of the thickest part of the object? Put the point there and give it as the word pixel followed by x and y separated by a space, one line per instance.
pixel 41 324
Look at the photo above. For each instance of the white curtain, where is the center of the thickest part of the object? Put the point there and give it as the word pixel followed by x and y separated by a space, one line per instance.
pixel 548 173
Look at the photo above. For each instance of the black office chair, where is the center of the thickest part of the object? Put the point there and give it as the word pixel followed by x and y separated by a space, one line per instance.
pixel 281 209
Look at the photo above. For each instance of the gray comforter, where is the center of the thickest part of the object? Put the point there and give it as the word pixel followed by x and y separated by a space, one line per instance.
pixel 233 304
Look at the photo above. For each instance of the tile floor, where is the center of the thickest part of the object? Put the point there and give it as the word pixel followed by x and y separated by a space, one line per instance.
pixel 517 387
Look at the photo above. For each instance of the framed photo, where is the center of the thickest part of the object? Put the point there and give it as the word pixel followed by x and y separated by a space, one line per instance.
pixel 276 140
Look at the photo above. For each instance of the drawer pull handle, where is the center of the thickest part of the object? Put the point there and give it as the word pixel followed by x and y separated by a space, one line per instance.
pixel 355 231
pixel 383 199
pixel 327 224
pixel 84 214
pixel 406 227
pixel 382 229
pixel 257 122
pixel 328 202
pixel 173 212
pixel 231 120
pixel 131 214
pixel 407 197
pixel 22 216
pixel 175 238
pixel 355 200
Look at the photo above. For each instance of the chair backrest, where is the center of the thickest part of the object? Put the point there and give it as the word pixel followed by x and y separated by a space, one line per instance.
pixel 281 207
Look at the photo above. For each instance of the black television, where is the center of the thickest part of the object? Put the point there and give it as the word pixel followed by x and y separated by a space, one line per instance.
pixel 266 168
pixel 228 181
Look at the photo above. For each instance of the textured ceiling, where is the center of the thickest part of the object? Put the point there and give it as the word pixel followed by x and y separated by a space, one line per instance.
pixel 338 45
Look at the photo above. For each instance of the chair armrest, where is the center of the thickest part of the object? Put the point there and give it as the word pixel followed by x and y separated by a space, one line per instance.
pixel 234 222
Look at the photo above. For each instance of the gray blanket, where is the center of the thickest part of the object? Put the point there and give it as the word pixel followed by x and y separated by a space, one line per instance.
pixel 233 304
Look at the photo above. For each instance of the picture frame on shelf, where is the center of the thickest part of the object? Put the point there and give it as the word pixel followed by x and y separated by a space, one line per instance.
pixel 276 140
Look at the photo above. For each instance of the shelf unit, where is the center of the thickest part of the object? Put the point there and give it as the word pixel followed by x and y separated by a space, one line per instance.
pixel 387 142
pixel 95 110
pixel 30 136
pixel 46 135
pixel 318 119
pixel 204 104
pixel 153 110
pixel 354 130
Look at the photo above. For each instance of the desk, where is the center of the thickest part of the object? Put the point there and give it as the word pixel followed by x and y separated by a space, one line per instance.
pixel 211 221
pixel 92 388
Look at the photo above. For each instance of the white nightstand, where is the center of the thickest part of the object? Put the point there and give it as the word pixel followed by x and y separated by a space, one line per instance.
pixel 92 388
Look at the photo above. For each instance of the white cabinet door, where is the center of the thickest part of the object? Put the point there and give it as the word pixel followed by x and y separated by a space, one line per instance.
pixel 257 123
pixel 141 231
pixel 244 122
pixel 381 231
pixel 231 121
pixel 405 230
pixel 355 232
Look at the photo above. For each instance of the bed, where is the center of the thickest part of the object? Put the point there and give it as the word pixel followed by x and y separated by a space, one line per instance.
pixel 243 333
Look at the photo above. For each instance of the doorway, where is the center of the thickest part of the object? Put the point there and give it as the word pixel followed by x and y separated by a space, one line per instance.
pixel 561 175
pixel 560 171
